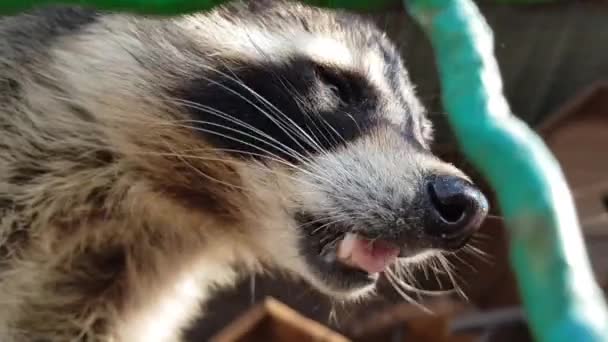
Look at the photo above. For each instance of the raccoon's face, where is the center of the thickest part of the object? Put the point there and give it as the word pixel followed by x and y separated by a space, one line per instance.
pixel 323 102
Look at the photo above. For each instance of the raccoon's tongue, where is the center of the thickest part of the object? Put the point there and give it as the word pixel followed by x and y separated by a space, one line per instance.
pixel 372 256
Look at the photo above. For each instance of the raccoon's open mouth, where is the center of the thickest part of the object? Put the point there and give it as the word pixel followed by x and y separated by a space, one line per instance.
pixel 372 256
pixel 346 260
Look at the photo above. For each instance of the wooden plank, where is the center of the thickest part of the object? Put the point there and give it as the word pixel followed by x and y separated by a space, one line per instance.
pixel 274 321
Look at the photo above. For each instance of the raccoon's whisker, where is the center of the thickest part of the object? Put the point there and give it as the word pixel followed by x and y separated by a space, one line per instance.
pixel 290 126
pixel 286 149
pixel 224 160
pixel 248 153
pixel 296 97
pixel 330 244
pixel 473 250
pixel 268 157
pixel 333 315
pixel 299 99
pixel 261 149
pixel 329 221
pixel 435 266
pixel 306 136
pixel 340 197
pixel 289 131
pixel 407 297
pixel 210 110
pixel 333 130
pixel 452 276
pixel 437 271
pixel 350 116
pixel 464 262
pixel 318 168
pixel 234 78
pixel 329 224
pixel 399 281
pixel 401 290
pixel 425 269
pixel 203 174
pixel 210 131
pixel 323 219
pixel 406 273
pixel 310 223
pixel 238 131
pixel 485 259
pixel 176 123
pixel 296 94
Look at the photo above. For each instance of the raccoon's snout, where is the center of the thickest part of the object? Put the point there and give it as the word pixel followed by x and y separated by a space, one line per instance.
pixel 455 209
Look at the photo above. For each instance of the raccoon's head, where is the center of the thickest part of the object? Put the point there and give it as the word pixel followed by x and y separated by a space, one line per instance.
pixel 324 100
pixel 321 150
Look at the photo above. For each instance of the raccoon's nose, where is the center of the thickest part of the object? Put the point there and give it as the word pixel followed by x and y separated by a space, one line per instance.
pixel 456 209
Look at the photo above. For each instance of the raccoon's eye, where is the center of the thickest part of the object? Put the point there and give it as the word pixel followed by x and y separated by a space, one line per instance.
pixel 337 83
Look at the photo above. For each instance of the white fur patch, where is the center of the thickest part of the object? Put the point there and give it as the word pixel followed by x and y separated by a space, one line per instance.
pixel 326 51
pixel 243 40
pixel 167 310
pixel 159 323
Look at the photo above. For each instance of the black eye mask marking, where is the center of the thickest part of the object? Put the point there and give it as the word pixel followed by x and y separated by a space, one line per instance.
pixel 282 111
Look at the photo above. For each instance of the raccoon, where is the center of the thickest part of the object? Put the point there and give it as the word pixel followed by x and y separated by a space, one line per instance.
pixel 144 160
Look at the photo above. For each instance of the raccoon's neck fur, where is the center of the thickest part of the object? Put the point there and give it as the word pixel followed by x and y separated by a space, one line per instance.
pixel 87 245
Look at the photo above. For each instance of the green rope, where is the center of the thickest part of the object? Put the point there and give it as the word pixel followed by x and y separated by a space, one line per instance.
pixel 562 299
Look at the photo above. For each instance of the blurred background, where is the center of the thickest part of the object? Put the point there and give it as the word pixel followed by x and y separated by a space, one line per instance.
pixel 554 61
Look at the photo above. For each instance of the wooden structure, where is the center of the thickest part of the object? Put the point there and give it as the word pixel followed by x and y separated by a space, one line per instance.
pixel 273 321
pixel 406 322
pixel 450 321
pixel 578 136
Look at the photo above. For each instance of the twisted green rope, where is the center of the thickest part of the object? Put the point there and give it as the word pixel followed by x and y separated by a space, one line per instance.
pixel 561 297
